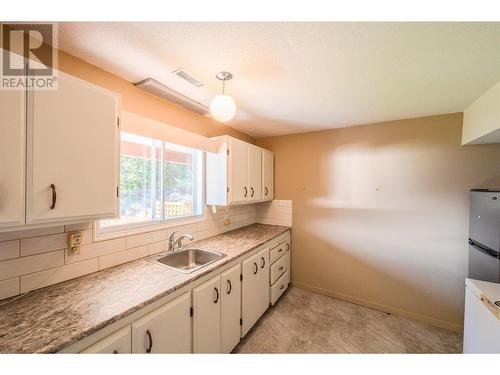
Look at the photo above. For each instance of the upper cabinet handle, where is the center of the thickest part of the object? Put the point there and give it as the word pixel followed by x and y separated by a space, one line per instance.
pixel 54 196
pixel 150 338
pixel 246 191
pixel 252 192
pixel 266 190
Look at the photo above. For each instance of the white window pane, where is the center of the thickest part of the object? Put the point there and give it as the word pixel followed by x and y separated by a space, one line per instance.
pixel 182 179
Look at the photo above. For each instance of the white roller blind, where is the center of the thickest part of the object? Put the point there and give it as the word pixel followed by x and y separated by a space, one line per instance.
pixel 140 125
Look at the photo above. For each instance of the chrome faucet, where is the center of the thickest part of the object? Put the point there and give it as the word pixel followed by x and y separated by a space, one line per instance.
pixel 175 244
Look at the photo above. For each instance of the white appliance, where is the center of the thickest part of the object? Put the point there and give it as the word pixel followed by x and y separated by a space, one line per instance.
pixel 482 317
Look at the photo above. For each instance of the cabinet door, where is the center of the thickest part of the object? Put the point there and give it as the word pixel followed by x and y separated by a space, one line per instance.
pixel 230 308
pixel 206 317
pixel 119 342
pixel 72 152
pixel 254 289
pixel 12 157
pixel 267 175
pixel 165 330
pixel 255 172
pixel 238 170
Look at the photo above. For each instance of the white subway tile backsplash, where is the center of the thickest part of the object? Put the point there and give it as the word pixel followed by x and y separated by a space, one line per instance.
pixel 24 265
pixel 43 244
pixel 9 250
pixel 78 227
pixel 96 249
pixel 157 247
pixel 30 233
pixel 57 275
pixel 9 287
pixel 145 238
pixel 124 256
pixel 31 259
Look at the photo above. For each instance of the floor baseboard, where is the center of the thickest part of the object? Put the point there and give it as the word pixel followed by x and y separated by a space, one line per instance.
pixel 377 306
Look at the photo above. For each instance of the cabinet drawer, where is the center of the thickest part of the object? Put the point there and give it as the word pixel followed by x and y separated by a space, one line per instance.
pixel 278 268
pixel 119 342
pixel 277 251
pixel 279 287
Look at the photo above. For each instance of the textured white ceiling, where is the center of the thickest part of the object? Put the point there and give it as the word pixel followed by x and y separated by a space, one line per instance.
pixel 297 77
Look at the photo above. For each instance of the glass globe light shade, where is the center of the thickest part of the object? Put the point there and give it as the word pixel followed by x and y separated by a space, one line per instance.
pixel 223 108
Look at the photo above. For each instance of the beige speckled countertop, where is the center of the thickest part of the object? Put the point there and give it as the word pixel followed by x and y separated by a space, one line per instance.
pixel 52 318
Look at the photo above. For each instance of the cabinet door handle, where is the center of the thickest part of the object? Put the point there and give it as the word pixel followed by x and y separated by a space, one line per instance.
pixel 216 295
pixel 266 190
pixel 287 246
pixel 229 287
pixel 256 268
pixel 150 338
pixel 281 268
pixel 115 351
pixel 246 191
pixel 263 262
pixel 252 192
pixel 54 196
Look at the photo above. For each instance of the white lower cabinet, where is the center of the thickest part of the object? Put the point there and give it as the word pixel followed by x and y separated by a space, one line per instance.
pixel 207 317
pixel 119 342
pixel 224 308
pixel 165 330
pixel 230 308
pixel 254 289
pixel 217 313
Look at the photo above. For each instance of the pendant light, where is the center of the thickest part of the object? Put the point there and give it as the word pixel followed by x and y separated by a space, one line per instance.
pixel 223 107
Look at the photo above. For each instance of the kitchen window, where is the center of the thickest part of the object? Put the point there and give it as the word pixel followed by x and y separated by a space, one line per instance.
pixel 160 182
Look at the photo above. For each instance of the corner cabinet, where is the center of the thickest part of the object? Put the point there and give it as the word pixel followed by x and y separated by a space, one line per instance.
pixel 62 148
pixel 239 173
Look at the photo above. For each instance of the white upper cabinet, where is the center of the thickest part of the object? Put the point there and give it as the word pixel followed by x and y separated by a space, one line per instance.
pixel 238 164
pixel 12 157
pixel 72 167
pixel 255 172
pixel 235 173
pixel 482 119
pixel 267 175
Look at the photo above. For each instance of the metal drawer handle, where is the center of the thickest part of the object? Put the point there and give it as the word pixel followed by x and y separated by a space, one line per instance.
pixel 281 268
pixel 282 287
pixel 252 192
pixel 115 351
pixel 229 287
pixel 246 191
pixel 54 196
pixel 256 268
pixel 287 246
pixel 263 262
pixel 216 295
pixel 280 250
pixel 150 338
pixel 266 190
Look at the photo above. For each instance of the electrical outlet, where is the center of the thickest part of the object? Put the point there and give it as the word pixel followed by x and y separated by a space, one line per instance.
pixel 75 241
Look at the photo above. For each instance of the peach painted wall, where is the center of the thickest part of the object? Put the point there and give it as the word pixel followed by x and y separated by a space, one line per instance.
pixel 143 103
pixel 380 212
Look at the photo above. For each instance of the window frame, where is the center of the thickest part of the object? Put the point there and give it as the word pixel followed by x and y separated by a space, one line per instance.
pixel 123 230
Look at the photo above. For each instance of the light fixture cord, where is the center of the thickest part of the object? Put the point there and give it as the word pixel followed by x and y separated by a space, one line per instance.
pixel 223 86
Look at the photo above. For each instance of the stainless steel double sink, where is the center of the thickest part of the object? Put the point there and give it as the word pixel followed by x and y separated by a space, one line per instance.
pixel 189 260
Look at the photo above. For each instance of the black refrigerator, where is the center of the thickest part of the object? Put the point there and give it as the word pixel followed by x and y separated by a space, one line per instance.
pixel 484 235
